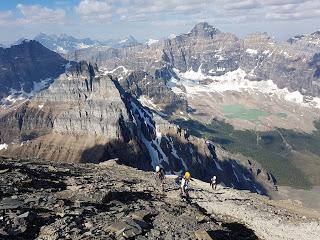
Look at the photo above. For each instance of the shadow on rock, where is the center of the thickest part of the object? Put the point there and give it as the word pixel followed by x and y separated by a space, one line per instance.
pixel 127 154
pixel 234 231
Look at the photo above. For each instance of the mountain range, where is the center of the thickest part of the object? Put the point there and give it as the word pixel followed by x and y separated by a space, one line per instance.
pixel 120 99
pixel 65 44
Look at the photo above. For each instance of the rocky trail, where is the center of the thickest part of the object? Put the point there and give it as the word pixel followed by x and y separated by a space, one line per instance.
pixel 112 201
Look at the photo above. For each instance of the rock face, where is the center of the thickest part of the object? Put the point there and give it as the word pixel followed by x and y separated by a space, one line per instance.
pixel 141 84
pixel 87 116
pixel 79 111
pixel 293 64
pixel 28 67
pixel 111 201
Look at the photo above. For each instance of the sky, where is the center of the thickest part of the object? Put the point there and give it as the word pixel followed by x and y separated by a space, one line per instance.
pixel 144 19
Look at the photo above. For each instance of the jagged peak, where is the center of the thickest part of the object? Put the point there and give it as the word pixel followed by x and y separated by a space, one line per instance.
pixel 203 29
pixel 316 33
pixel 83 68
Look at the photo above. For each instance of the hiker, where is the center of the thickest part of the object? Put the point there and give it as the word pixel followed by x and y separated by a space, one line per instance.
pixel 186 135
pixel 160 176
pixel 179 130
pixel 184 187
pixel 213 183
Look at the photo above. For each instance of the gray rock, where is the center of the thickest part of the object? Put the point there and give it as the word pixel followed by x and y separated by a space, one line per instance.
pixel 9 203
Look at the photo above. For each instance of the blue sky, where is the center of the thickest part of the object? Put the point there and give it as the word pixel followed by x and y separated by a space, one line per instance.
pixel 104 19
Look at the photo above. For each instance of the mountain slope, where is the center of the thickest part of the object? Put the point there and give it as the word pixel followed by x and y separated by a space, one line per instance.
pixel 27 67
pixel 112 201
pixel 86 116
pixel 264 94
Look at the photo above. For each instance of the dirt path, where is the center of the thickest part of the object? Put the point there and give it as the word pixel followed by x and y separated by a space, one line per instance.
pixel 269 219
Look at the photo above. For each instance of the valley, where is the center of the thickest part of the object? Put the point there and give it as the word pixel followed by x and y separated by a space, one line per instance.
pixel 292 157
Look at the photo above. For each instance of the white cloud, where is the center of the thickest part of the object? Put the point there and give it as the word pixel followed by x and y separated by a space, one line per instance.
pixel 240 4
pixel 94 10
pixel 228 11
pixel 294 11
pixel 34 14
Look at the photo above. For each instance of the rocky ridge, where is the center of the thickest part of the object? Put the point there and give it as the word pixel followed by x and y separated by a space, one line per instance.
pixel 112 201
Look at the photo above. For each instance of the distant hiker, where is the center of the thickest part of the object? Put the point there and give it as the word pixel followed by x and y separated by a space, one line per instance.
pixel 179 130
pixel 213 183
pixel 184 187
pixel 186 135
pixel 160 176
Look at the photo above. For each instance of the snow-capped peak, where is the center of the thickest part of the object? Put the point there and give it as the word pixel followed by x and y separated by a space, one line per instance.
pixel 152 41
pixel 172 36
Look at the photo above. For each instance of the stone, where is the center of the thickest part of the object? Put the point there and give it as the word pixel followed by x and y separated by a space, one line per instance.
pixel 61 214
pixel 2 171
pixel 128 229
pixel 9 203
pixel 88 225
pixel 74 188
pixel 141 214
pixel 24 215
pixel 202 235
pixel 141 238
pixel 52 169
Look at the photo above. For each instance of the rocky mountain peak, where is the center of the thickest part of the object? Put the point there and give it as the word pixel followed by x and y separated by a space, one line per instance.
pixel 316 34
pixel 82 68
pixel 26 65
pixel 204 30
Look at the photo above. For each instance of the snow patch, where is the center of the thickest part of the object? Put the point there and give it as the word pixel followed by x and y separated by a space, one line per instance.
pixel 3 146
pixel 235 81
pixel 17 96
pixel 83 46
pixel 172 36
pixel 124 69
pixel 252 51
pixel 61 50
pixel 296 97
pixel 148 102
pixel 234 172
pixel 123 41
pixel 246 178
pixel 192 75
pixel 152 41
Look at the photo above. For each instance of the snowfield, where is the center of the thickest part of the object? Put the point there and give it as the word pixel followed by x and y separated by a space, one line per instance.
pixel 234 81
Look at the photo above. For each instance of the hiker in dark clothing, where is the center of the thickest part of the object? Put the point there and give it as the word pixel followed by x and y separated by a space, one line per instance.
pixel 160 176
pixel 179 130
pixel 213 183
pixel 186 136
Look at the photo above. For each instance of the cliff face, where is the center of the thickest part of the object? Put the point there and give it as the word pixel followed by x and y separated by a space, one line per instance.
pixel 79 111
pixel 27 67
